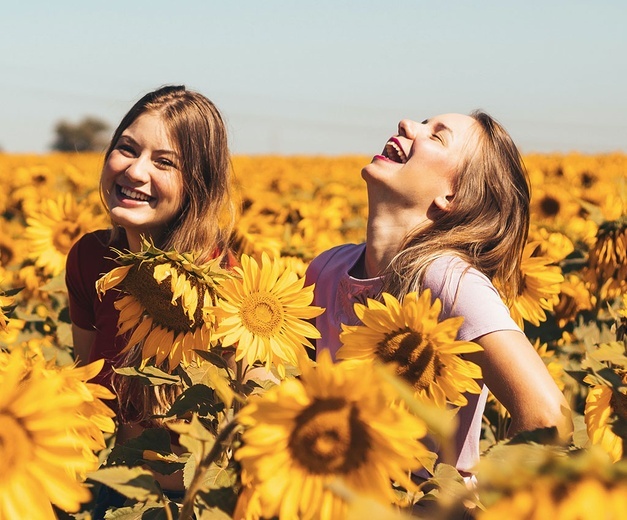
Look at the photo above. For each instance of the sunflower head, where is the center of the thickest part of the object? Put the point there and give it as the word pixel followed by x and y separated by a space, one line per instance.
pixel 424 349
pixel 55 227
pixel 168 302
pixel 574 297
pixel 540 288
pixel 335 422
pixel 607 261
pixel 46 440
pixel 605 411
pixel 264 311
pixel 532 481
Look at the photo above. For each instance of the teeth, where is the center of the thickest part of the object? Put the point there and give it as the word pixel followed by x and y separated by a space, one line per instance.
pixel 395 152
pixel 133 194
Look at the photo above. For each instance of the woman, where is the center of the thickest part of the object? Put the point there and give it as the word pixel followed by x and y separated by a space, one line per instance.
pixel 166 177
pixel 448 204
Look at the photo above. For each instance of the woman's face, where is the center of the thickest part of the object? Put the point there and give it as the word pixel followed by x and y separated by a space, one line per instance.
pixel 421 162
pixel 141 182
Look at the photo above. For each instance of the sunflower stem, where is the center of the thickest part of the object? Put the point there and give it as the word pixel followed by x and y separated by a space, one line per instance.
pixel 239 377
pixel 187 511
pixel 168 513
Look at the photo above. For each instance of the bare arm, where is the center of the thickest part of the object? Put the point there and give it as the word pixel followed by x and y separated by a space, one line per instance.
pixel 83 340
pixel 518 378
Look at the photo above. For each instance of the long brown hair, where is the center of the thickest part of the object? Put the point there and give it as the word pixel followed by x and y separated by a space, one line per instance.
pixel 203 225
pixel 199 136
pixel 488 221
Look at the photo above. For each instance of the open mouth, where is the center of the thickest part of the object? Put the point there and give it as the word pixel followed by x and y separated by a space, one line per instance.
pixel 394 151
pixel 129 193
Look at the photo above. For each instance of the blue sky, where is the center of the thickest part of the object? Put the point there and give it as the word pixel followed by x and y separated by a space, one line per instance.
pixel 323 77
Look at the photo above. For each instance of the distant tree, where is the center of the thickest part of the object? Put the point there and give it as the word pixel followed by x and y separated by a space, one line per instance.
pixel 87 135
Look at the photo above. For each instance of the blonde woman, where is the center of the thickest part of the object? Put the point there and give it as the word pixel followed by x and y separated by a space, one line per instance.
pixel 448 203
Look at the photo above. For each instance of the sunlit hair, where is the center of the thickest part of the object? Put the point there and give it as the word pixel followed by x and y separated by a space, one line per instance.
pixel 488 221
pixel 198 135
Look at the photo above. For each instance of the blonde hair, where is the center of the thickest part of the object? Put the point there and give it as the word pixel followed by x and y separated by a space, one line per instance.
pixel 488 221
pixel 199 136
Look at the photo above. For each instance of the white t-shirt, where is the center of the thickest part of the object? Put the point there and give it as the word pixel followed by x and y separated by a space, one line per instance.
pixel 463 290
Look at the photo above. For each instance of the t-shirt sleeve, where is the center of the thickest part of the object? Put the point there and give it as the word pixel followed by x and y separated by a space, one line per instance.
pixel 465 291
pixel 81 288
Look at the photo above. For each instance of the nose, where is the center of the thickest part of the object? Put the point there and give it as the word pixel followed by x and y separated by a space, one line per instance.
pixel 138 170
pixel 408 128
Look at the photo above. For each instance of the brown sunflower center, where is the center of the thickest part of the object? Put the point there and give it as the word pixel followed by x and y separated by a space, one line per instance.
pixel 65 234
pixel 156 298
pixel 549 206
pixel 329 437
pixel 262 313
pixel 417 359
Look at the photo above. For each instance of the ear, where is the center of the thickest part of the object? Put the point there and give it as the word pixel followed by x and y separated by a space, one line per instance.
pixel 443 202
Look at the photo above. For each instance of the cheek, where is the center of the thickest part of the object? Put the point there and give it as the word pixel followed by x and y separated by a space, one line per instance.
pixel 106 179
pixel 110 169
pixel 174 188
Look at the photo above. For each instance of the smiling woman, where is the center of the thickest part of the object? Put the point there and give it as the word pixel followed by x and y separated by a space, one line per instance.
pixel 165 181
pixel 142 185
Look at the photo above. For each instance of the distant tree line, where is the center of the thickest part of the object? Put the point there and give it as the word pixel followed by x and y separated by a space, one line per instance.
pixel 88 135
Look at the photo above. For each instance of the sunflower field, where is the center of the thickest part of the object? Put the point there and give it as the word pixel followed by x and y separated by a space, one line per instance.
pixel 251 425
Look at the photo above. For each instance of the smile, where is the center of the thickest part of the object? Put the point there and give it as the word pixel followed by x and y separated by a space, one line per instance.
pixel 394 151
pixel 132 194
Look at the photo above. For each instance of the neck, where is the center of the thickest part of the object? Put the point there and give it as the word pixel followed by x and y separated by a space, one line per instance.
pixel 388 227
pixel 134 239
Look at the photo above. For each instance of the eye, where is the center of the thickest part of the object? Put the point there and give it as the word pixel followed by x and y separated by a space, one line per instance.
pixel 126 149
pixel 438 137
pixel 164 162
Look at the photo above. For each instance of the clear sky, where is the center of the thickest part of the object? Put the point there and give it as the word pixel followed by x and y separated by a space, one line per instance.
pixel 326 76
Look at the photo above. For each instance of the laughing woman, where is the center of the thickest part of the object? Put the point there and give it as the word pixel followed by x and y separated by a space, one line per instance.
pixel 448 203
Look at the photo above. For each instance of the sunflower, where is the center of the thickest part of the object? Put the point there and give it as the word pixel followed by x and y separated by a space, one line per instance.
pixel 553 244
pixel 171 319
pixel 607 261
pixel 98 413
pixel 534 482
pixel 54 228
pixel 550 203
pixel 574 297
pixel 44 443
pixel 335 422
pixel 540 288
pixel 264 313
pixel 602 402
pixel 424 349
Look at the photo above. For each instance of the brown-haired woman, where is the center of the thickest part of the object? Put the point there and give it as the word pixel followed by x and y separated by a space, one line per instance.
pixel 448 203
pixel 166 177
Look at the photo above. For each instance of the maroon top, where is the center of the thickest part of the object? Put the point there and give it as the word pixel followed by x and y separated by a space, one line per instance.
pixel 87 261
